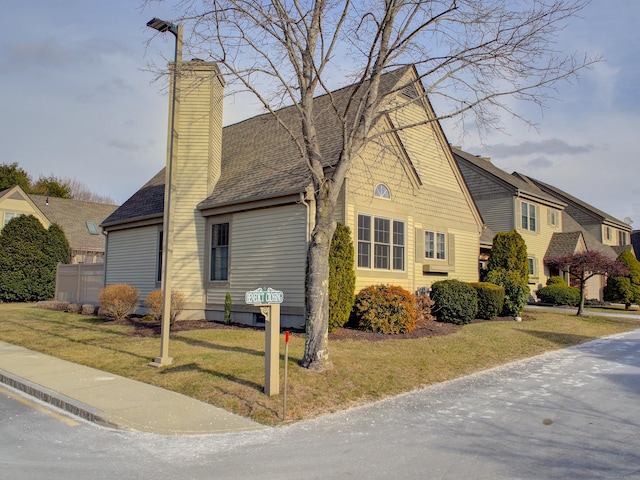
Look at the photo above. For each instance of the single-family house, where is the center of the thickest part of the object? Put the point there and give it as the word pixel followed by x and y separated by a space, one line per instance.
pixel 79 220
pixel 244 208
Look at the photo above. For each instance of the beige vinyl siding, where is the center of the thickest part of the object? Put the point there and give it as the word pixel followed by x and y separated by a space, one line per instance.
pixel 132 258
pixel 16 204
pixel 537 242
pixel 196 167
pixel 268 249
pixel 433 199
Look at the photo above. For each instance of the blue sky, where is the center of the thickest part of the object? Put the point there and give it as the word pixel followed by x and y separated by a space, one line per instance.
pixel 78 101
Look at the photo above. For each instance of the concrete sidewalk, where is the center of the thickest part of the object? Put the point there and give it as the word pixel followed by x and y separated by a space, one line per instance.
pixel 111 400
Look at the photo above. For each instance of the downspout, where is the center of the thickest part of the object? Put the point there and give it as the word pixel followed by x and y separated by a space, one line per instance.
pixel 303 201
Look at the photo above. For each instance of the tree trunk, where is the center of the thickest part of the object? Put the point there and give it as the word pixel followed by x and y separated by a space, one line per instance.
pixel 583 281
pixel 316 350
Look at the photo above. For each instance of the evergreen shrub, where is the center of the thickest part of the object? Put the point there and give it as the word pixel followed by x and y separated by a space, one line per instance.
pixel 29 254
pixel 342 278
pixel 557 294
pixel 490 299
pixel 118 300
pixel 385 309
pixel 454 301
pixel 516 291
pixel 625 289
pixel 228 305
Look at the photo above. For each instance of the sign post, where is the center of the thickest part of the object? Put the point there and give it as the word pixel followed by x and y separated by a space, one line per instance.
pixel 269 301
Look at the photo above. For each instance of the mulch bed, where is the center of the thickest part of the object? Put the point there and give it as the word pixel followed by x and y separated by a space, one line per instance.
pixel 428 329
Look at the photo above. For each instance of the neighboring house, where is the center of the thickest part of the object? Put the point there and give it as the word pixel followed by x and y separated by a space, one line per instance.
pixel 508 203
pixel 601 231
pixel 543 215
pixel 79 220
pixel 14 203
pixel 605 228
pixel 244 208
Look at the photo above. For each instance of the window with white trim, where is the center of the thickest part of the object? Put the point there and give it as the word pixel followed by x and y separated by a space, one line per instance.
pixel 532 266
pixel 219 270
pixel 554 217
pixel 528 211
pixel 8 216
pixel 384 247
pixel 382 191
pixel 435 245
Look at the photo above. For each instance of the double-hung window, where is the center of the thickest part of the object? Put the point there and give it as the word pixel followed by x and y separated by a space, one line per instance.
pixel 386 244
pixel 219 252
pixel 528 216
pixel 435 245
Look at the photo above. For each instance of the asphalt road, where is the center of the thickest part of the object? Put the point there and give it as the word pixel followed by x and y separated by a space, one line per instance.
pixel 571 414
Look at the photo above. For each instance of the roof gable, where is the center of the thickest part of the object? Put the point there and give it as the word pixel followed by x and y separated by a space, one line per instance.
pixel 510 182
pixel 260 159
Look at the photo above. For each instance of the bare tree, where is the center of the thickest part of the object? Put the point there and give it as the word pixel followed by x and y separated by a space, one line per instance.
pixel 470 56
pixel 80 191
pixel 584 265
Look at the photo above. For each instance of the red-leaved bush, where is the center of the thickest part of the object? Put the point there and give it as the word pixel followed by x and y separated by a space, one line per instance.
pixel 386 309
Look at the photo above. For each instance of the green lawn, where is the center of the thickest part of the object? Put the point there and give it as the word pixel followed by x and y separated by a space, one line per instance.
pixel 225 367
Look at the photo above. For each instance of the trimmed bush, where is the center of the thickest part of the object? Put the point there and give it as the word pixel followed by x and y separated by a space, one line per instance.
pixel 153 304
pixel 556 281
pixel 509 253
pixel 516 291
pixel 385 309
pixel 454 301
pixel 119 300
pixel 557 294
pixel 342 279
pixel 490 299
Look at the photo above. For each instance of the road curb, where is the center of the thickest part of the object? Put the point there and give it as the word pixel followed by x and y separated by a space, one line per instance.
pixel 57 399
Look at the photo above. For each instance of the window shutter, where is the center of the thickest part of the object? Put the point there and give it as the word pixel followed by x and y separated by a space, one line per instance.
pixel 419 245
pixel 451 254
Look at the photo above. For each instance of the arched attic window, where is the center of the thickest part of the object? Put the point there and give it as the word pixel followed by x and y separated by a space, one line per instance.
pixel 382 191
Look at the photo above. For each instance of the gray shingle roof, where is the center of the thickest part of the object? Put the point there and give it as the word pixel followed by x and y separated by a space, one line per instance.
pixel 570 199
pixel 562 243
pixel 259 158
pixel 512 181
pixel 569 224
pixel 72 216
pixel 147 202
